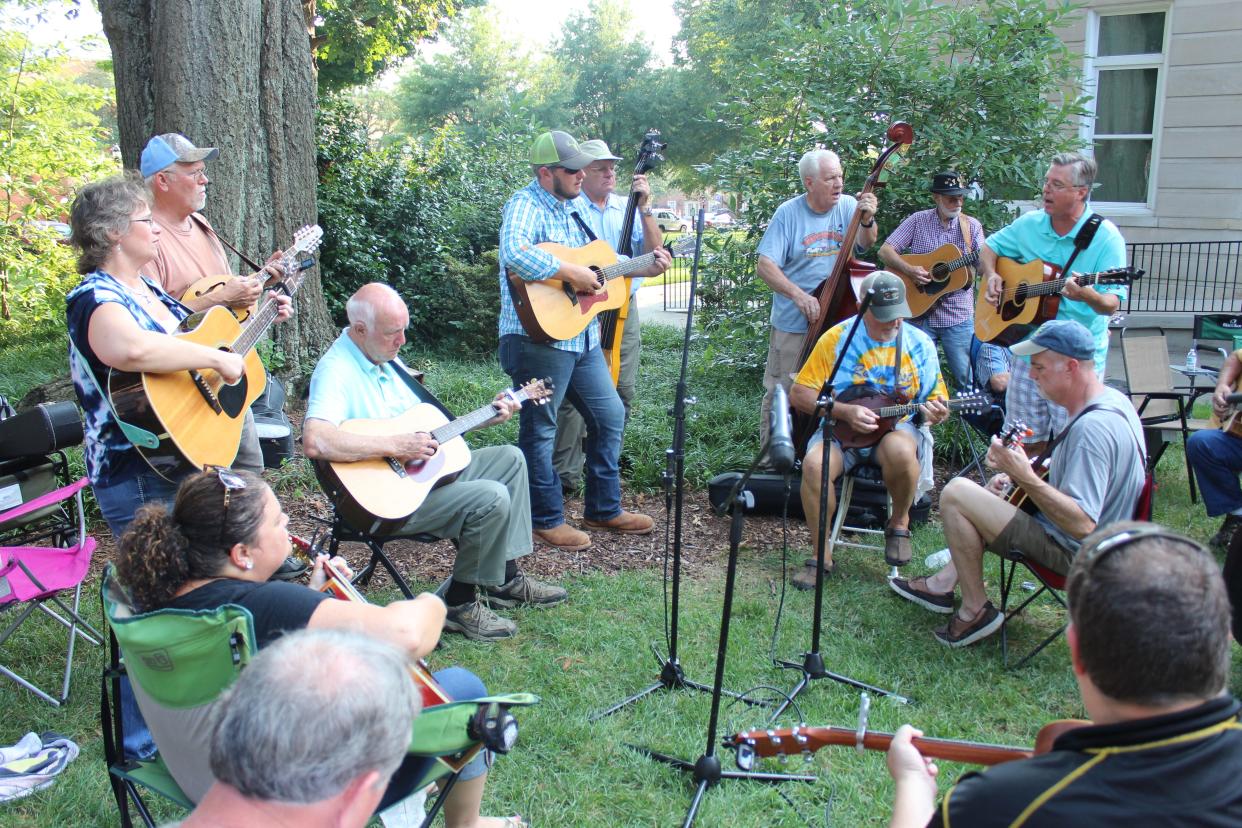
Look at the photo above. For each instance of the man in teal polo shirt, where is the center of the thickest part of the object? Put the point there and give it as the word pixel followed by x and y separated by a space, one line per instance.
pixel 486 508
pixel 1048 234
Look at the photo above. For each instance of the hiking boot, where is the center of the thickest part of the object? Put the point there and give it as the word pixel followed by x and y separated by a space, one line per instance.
pixel 290 570
pixel 961 631
pixel 478 623
pixel 523 590
pixel 627 523
pixel 564 537
pixel 1224 536
pixel 916 590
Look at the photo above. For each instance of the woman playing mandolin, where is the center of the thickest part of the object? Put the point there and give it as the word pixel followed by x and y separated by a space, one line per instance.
pixel 224 537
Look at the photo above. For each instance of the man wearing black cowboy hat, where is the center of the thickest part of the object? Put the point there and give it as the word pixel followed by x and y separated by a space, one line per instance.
pixel 951 319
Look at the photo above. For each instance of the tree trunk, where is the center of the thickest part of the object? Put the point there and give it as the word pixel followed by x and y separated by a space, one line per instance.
pixel 233 74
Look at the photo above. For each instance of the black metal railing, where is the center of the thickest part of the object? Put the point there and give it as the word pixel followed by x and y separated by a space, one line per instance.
pixel 1186 277
pixel 677 284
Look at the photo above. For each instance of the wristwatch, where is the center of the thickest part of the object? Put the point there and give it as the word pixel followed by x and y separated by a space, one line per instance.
pixel 646 211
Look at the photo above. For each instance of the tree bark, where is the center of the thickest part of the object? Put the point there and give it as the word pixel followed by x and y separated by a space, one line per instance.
pixel 238 75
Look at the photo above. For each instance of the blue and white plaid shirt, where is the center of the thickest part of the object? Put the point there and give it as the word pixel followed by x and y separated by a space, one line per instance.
pixel 531 216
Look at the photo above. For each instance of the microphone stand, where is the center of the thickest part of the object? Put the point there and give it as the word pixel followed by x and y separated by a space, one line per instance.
pixel 812 663
pixel 672 677
pixel 706 769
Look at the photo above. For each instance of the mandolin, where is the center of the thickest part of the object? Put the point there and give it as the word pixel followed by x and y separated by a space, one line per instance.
pixel 890 410
pixel 379 494
pixel 803 741
pixel 1030 296
pixel 194 417
pixel 836 294
pixel 949 270
pixel 1017 496
pixel 340 587
pixel 612 323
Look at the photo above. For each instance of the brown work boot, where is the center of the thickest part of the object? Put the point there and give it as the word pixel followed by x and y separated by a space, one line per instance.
pixel 564 537
pixel 627 523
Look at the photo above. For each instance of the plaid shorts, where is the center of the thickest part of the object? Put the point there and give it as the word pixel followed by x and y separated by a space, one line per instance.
pixel 1024 404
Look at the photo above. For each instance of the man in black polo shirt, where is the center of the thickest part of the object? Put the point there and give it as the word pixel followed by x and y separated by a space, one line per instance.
pixel 1149 643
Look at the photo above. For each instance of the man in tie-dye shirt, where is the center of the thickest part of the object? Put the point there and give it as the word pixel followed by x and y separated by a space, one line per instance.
pixel 871 360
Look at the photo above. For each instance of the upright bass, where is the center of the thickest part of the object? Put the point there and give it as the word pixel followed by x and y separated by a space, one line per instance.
pixel 612 323
pixel 836 296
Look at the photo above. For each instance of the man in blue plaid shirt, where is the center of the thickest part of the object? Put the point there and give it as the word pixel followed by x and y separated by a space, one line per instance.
pixel 552 209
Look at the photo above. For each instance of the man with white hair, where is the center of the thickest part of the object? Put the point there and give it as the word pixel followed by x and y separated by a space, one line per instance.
pixel 487 506
pixel 797 253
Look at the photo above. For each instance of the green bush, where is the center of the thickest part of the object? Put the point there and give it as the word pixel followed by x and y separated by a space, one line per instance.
pixel 422 215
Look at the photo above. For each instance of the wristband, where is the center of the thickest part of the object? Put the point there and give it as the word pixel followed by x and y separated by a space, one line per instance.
pixel 869 224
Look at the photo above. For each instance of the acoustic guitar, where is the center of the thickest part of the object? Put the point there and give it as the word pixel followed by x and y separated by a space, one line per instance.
pixel 1030 296
pixel 890 410
pixel 803 741
pixel 381 493
pixel 949 270
pixel 551 309
pixel 429 690
pixel 195 415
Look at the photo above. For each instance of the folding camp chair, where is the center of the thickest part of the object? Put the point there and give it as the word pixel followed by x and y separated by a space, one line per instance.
pixel 1050 583
pixel 47 552
pixel 179 662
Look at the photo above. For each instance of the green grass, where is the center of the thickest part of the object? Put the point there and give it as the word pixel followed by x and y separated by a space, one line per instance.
pixel 593 651
pixel 34 361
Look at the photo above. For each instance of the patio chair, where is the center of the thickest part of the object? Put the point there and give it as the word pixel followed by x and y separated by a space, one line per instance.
pixel 1163 409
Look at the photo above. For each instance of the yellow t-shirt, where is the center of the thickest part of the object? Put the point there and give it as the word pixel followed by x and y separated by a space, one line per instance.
pixel 870 362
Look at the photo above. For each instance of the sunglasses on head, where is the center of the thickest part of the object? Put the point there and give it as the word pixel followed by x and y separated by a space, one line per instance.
pixel 231 481
pixel 1126 537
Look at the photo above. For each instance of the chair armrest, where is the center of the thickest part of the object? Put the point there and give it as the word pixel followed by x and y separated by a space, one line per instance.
pixel 63 493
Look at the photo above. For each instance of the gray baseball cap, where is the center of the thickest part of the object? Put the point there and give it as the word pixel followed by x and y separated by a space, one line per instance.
pixel 559 149
pixel 889 300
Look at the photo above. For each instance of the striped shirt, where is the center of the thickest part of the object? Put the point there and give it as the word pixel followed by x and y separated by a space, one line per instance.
pixel 923 232
pixel 531 216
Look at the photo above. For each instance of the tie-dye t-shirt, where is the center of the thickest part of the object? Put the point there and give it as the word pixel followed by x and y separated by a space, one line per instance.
pixel 869 362
pixel 110 457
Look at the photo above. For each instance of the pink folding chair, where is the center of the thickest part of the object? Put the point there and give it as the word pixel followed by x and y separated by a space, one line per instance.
pixel 33 578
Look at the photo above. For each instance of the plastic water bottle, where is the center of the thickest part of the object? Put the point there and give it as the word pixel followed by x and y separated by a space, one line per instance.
pixel 1192 360
pixel 938 559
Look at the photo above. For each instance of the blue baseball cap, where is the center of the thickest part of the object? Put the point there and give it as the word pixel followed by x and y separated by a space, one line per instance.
pixel 162 151
pixel 1062 336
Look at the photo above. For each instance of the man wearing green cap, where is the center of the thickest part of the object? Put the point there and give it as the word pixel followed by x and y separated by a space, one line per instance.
pixel 893 358
pixel 549 209
pixel 605 215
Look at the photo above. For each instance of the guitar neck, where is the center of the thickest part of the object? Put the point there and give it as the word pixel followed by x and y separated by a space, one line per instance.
pixel 960 262
pixel 628 266
pixel 814 738
pixel 1056 285
pixel 469 422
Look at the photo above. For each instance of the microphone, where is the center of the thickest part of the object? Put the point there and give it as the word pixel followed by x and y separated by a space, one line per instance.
pixel 780 441
pixel 866 301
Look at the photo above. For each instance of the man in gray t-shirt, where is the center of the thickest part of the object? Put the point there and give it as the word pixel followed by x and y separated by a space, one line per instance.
pixel 797 253
pixel 1095 477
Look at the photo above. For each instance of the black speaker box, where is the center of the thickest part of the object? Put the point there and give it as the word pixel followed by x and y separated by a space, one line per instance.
pixel 868 506
pixel 46 428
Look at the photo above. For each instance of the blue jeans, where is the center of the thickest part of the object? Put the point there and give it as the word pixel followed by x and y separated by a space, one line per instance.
pixel 460 684
pixel 955 339
pixel 118 502
pixel 1216 458
pixel 583 379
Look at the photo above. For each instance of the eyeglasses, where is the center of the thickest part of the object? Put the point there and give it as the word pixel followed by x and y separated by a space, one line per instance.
pixel 195 174
pixel 1057 186
pixel 148 220
pixel 1128 536
pixel 231 481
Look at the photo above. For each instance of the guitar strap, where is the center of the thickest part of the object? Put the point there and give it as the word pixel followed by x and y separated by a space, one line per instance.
pixel 1047 453
pixel 135 434
pixel 414 379
pixel 590 235
pixel 963 224
pixel 207 228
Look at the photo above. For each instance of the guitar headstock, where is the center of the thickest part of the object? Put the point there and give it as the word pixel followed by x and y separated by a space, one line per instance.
pixel 1119 276
pixel 538 391
pixel 780 742
pixel 682 245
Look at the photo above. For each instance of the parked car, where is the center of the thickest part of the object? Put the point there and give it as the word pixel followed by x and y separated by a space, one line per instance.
pixel 670 221
pixel 719 220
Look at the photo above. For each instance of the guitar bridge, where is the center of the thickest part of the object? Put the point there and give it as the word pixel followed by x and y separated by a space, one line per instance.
pixel 205 390
pixel 398 468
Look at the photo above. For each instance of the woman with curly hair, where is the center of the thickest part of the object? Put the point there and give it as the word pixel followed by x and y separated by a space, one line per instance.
pixel 224 537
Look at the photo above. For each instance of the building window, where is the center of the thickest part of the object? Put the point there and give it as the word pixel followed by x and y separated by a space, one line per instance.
pixel 1125 62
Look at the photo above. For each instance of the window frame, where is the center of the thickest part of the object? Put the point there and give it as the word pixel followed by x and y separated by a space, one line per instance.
pixel 1092 64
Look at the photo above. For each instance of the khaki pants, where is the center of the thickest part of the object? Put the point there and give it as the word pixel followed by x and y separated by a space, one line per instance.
pixel 249 453
pixel 486 509
pixel 783 352
pixel 567 455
